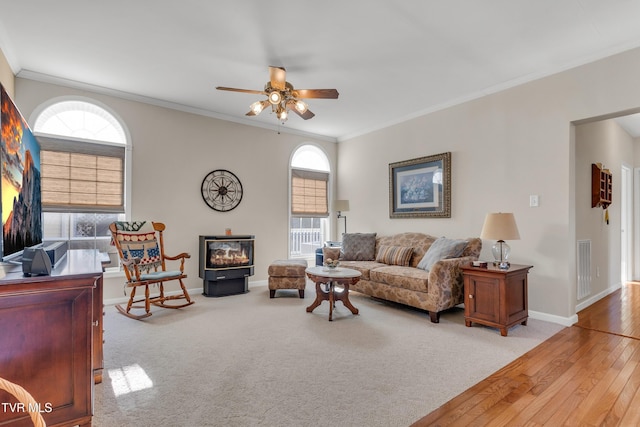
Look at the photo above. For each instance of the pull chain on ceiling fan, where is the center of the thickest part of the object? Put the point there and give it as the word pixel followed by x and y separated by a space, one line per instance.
pixel 283 97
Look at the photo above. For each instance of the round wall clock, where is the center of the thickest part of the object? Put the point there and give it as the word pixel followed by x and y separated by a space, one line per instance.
pixel 221 190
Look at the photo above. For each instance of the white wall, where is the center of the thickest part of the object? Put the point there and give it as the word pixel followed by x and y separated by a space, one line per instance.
pixel 505 147
pixel 172 153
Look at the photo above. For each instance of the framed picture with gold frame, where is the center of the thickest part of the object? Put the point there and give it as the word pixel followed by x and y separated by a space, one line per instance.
pixel 421 187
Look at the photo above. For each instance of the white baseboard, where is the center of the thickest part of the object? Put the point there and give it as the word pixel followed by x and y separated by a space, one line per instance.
pixel 568 321
pixel 586 303
pixel 192 291
pixel 125 299
pixel 564 321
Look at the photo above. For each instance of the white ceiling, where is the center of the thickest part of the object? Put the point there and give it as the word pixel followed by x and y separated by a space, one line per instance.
pixel 390 60
pixel 630 123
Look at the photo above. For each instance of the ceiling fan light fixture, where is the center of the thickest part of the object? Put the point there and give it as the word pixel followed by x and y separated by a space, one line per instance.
pixel 257 107
pixel 282 96
pixel 282 114
pixel 301 106
pixel 275 97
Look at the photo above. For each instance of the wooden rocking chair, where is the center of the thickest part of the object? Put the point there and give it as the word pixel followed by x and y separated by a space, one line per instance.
pixel 140 246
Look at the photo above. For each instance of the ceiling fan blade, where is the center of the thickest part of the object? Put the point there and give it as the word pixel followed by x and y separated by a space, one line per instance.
pixel 232 89
pixel 278 77
pixel 306 115
pixel 316 93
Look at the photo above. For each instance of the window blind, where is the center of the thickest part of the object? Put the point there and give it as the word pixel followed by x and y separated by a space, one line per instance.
pixel 80 176
pixel 309 191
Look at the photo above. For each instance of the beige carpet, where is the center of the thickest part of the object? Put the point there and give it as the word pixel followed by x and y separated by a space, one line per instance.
pixel 247 360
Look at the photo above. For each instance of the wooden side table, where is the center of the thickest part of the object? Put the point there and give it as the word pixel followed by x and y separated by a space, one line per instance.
pixel 495 297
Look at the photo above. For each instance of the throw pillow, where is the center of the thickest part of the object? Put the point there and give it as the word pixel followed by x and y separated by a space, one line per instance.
pixel 442 248
pixel 394 255
pixel 359 246
pixel 330 253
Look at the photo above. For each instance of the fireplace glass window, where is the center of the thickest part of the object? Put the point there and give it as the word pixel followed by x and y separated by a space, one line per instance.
pixel 228 253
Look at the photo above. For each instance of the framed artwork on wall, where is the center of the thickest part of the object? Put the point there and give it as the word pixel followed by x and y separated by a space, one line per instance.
pixel 421 187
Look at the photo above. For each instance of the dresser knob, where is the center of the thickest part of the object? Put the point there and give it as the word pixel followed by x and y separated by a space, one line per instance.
pixel 470 296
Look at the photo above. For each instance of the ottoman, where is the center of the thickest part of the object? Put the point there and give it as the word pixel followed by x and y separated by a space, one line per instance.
pixel 287 274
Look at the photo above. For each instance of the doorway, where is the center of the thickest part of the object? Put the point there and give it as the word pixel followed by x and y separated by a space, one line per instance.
pixel 626 215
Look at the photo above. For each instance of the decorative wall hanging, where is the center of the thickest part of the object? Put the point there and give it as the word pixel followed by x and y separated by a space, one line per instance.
pixel 601 186
pixel 221 190
pixel 421 187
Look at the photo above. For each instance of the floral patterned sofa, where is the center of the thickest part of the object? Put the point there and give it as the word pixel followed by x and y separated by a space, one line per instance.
pixel 409 268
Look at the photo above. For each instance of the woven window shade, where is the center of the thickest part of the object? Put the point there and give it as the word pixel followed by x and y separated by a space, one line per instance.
pixel 81 182
pixel 309 190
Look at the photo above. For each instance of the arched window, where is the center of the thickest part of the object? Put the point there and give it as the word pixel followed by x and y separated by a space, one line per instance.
pixel 83 159
pixel 80 120
pixel 310 157
pixel 309 205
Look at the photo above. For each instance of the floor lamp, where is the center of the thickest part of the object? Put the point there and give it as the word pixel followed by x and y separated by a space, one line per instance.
pixel 342 206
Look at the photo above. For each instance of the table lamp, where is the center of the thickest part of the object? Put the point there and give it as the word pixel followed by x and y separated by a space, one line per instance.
pixel 500 226
pixel 341 206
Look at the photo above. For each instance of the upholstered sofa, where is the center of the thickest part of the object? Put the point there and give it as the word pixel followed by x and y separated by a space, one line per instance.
pixel 409 268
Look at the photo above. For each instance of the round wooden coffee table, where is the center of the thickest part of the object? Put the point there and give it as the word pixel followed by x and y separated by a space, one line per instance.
pixel 330 277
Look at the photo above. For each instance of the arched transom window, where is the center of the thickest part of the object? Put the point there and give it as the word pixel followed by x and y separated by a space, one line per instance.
pixel 82 120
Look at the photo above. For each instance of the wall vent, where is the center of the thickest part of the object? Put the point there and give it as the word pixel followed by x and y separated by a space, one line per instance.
pixel 584 269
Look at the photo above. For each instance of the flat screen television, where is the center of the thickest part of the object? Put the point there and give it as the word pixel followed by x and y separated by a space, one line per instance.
pixel 21 182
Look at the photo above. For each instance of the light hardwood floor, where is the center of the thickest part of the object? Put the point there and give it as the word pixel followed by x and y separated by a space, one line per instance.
pixel 585 375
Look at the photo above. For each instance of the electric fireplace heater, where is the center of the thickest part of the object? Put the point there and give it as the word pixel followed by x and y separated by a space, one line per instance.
pixel 225 264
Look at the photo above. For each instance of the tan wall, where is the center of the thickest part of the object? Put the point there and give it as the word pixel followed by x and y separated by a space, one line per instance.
pixel 607 143
pixel 6 75
pixel 505 147
pixel 172 153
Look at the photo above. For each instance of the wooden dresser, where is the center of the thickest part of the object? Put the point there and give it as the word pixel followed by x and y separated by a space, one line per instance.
pixel 51 339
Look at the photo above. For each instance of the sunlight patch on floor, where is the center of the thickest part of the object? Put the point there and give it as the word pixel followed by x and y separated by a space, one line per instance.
pixel 129 379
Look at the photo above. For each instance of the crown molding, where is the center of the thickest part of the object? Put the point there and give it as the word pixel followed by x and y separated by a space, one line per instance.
pixel 45 78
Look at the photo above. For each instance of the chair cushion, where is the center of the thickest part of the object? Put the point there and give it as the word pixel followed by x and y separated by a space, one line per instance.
pixel 156 275
pixel 287 268
pixel 440 249
pixel 359 246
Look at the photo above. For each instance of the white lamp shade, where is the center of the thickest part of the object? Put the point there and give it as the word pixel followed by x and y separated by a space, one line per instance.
pixel 500 226
pixel 341 205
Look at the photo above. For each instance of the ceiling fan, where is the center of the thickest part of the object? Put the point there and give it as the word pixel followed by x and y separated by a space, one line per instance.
pixel 283 97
